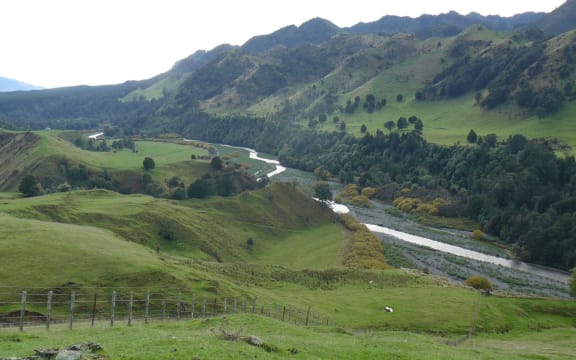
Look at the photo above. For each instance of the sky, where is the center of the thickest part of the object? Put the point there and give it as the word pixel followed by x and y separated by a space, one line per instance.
pixel 55 43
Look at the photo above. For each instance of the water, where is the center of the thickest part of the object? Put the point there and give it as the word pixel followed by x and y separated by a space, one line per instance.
pixel 470 254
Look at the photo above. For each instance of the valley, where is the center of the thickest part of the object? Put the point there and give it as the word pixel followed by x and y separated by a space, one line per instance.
pixel 407 185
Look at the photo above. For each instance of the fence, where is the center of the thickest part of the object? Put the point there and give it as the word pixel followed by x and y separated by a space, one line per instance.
pixel 44 307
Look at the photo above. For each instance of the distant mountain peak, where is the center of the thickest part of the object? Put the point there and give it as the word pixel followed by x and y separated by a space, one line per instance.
pixel 7 84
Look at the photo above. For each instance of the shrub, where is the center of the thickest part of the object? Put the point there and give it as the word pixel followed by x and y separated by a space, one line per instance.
pixel 479 283
pixel 369 192
pixel 477 234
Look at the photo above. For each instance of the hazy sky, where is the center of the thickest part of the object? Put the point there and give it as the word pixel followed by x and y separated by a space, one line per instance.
pixel 55 43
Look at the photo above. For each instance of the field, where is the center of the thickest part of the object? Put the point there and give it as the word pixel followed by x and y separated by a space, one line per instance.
pixel 197 339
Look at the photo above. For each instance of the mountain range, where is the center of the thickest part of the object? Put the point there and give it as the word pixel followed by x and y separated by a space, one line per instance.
pixel 15 85
pixel 318 69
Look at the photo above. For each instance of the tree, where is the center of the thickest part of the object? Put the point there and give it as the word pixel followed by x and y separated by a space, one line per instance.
pixel 148 163
pixel 342 126
pixel 29 186
pixel 472 137
pixel 201 188
pixel 216 163
pixel 402 123
pixel 390 125
pixel 322 192
pixel 399 97
pixel 419 126
pixel 363 128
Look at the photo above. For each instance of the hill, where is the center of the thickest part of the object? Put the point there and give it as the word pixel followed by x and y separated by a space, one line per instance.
pixel 57 158
pixel 560 20
pixel 94 225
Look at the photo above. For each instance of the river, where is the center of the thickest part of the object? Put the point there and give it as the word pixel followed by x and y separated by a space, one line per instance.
pixel 549 273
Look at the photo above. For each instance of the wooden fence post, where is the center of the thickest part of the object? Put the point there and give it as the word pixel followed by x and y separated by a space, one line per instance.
pixel 254 306
pixel 94 310
pixel 284 313
pixel 215 308
pixel 225 306
pixel 244 305
pixel 163 309
pixel 22 310
pixel 49 310
pixel 193 306
pixel 72 301
pixel 234 308
pixel 308 315
pixel 204 306
pixel 178 305
pixel 113 308
pixel 147 307
pixel 130 305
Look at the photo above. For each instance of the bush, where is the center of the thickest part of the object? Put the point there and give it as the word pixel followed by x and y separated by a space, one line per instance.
pixel 479 283
pixel 477 234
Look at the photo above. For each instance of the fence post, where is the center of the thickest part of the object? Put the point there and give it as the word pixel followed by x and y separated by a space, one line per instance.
pixel 234 306
pixel 147 307
pixel 178 305
pixel 163 309
pixel 49 310
pixel 308 315
pixel 254 306
pixel 193 306
pixel 130 305
pixel 204 306
pixel 244 304
pixel 284 313
pixel 225 306
pixel 22 310
pixel 93 310
pixel 113 309
pixel 215 308
pixel 72 301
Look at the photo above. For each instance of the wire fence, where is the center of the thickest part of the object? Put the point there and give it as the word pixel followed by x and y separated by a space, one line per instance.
pixel 73 305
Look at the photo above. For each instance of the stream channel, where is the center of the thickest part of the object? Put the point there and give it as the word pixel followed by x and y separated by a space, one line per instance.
pixel 507 274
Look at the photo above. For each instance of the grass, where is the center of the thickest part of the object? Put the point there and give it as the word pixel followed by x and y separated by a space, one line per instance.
pixel 163 153
pixel 319 248
pixel 185 340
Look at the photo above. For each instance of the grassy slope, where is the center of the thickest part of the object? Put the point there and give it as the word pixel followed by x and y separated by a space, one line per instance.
pixel 183 228
pixel 171 159
pixel 48 254
pixel 185 340
pixel 448 121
